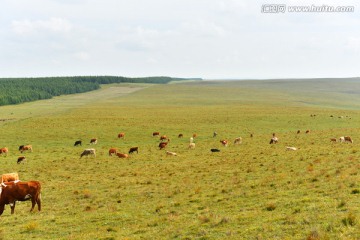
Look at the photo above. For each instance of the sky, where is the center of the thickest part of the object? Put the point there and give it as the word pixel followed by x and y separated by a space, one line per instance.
pixel 210 39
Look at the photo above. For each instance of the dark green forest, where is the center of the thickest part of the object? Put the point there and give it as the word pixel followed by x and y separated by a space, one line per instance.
pixel 19 90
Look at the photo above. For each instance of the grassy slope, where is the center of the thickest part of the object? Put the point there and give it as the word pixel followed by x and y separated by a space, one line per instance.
pixel 254 190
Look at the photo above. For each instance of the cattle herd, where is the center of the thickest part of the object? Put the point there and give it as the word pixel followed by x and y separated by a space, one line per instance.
pixel 12 189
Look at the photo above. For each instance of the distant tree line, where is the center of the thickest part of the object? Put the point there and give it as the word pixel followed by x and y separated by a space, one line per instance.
pixel 19 90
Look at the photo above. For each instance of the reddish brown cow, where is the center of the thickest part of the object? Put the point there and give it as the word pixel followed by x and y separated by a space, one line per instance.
pixel 112 151
pixel 4 151
pixel 121 135
pixel 348 139
pixel 25 148
pixel 93 141
pixel 180 135
pixel 156 134
pixel 224 142
pixel 163 137
pixel 307 131
pixel 194 135
pixel 10 192
pixel 122 155
pixel 162 145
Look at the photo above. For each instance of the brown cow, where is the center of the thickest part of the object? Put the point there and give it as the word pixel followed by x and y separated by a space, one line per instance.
pixel 25 148
pixel 121 135
pixel 93 141
pixel 156 134
pixel 10 192
pixel 163 137
pixel 20 159
pixel 224 142
pixel 4 151
pixel 134 149
pixel 122 155
pixel 238 140
pixel 180 135
pixel 307 131
pixel 162 145
pixel 112 151
pixel 9 177
pixel 194 135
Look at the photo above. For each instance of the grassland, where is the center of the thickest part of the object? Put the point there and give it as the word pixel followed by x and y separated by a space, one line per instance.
pixel 250 191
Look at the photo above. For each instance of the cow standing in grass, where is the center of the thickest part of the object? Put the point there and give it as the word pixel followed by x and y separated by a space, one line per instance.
pixel 86 152
pixel 10 192
pixel 4 151
pixel 23 148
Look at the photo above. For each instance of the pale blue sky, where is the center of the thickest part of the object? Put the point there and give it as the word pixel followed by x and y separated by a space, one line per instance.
pixel 179 38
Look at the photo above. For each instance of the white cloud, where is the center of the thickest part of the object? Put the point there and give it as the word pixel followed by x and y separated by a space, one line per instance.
pixel 55 25
pixel 82 56
pixel 206 38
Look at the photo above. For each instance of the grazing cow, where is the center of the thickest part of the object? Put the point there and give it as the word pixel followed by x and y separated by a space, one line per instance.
pixel 162 145
pixel 298 132
pixel 25 148
pixel 307 131
pixel 191 145
pixel 214 150
pixel 9 177
pixel 215 134
pixel 225 143
pixel 291 148
pixel 77 143
pixel 4 151
pixel 93 141
pixel 121 135
pixel 333 140
pixel 122 155
pixel 170 153
pixel 180 135
pixel 134 149
pixel 89 151
pixel 238 140
pixel 251 135
pixel 112 151
pixel 194 135
pixel 10 192
pixel 163 137
pixel 156 134
pixel 274 140
pixel 20 159
pixel 191 140
pixel 346 139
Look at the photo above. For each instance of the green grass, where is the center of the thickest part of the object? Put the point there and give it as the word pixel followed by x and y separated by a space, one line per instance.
pixel 248 191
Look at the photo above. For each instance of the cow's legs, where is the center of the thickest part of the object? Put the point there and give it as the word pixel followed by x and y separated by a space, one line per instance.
pixel 12 206
pixel 38 201
pixel 2 207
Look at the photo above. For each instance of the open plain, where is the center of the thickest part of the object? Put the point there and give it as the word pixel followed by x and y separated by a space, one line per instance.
pixel 252 190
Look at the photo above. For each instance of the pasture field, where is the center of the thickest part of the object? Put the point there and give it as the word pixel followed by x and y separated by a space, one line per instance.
pixel 249 191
